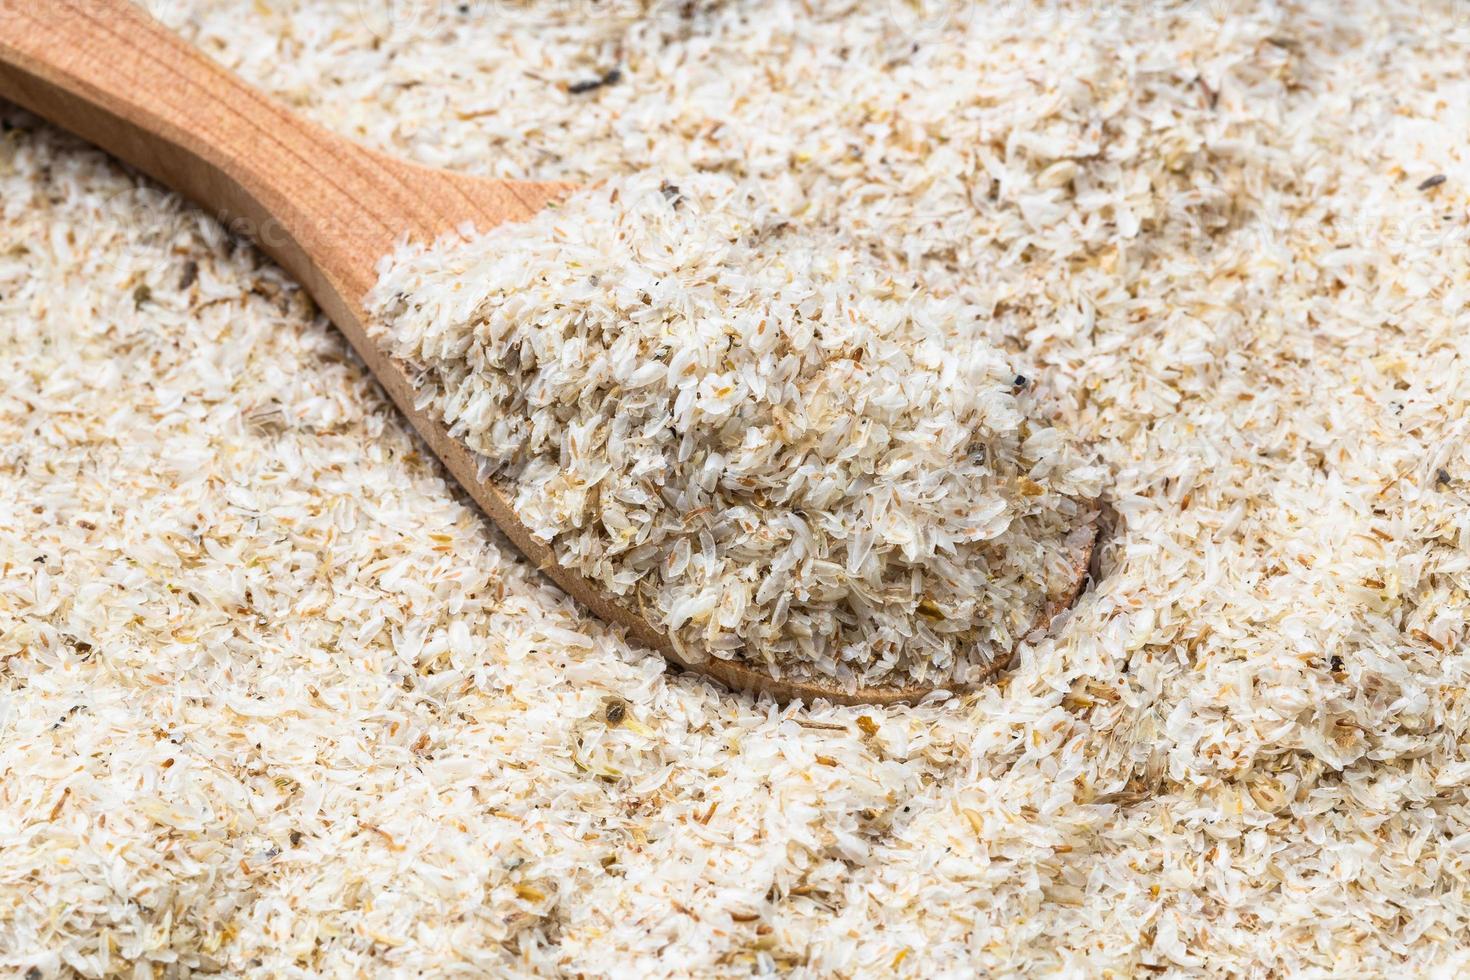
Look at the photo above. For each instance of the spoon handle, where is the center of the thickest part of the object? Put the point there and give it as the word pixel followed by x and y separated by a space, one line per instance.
pixel 111 74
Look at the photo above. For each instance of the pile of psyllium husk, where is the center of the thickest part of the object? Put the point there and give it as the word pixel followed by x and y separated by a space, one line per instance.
pixel 760 439
pixel 278 701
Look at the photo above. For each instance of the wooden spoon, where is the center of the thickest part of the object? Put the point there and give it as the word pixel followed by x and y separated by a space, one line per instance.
pixel 324 208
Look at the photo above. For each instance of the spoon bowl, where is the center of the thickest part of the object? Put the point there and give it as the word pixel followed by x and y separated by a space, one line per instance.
pixel 327 210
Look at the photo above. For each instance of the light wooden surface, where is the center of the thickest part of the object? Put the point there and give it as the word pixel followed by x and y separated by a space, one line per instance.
pixel 323 207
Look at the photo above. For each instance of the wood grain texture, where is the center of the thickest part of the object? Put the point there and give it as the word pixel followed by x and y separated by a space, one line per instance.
pixel 321 206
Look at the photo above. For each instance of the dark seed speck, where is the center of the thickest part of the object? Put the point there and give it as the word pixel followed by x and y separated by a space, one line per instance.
pixel 609 78
pixel 616 712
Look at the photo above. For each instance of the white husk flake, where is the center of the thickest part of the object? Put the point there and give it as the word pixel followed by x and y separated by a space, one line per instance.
pixel 276 702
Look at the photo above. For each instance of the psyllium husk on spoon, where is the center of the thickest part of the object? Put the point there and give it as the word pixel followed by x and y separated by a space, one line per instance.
pixel 772 448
